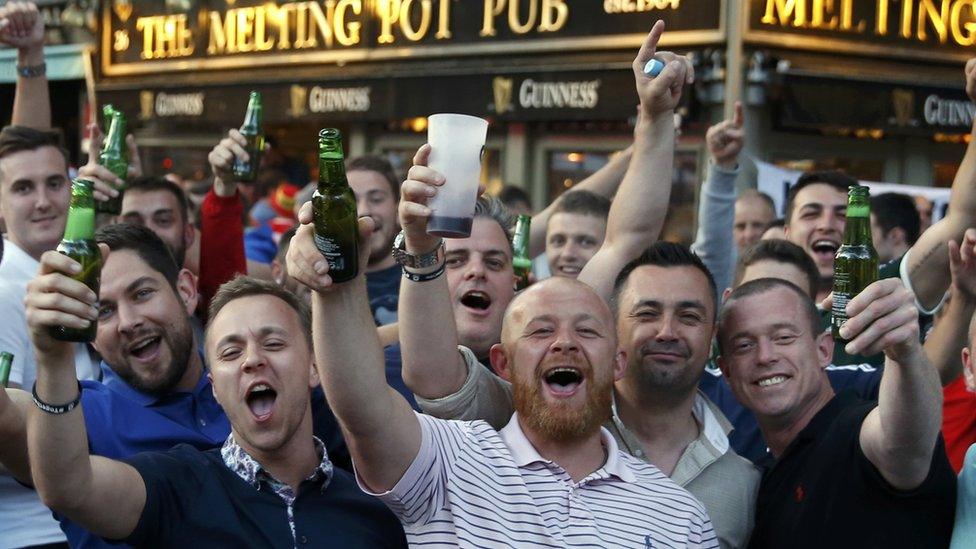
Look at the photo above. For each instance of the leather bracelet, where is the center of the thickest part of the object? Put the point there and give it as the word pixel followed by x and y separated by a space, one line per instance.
pixel 55 409
pixel 424 277
pixel 32 71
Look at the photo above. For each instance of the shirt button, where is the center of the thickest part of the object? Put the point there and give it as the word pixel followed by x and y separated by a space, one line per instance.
pixel 303 540
pixel 203 423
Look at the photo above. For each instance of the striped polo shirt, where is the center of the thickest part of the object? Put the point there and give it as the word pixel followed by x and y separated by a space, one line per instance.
pixel 472 486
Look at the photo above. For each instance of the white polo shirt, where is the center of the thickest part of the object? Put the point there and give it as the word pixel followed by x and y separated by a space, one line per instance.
pixel 472 486
pixel 23 519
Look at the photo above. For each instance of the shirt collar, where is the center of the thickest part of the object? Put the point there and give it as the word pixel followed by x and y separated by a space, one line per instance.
pixel 241 463
pixel 17 264
pixel 524 453
pixel 115 383
pixel 714 426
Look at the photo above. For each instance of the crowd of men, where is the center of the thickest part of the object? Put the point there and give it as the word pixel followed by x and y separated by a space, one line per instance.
pixel 639 393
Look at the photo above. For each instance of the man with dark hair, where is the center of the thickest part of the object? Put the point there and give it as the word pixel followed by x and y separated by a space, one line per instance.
pixel 894 225
pixel 516 200
pixel 34 196
pixel 153 391
pixel 776 258
pixel 162 206
pixel 33 208
pixel 377 190
pixel 847 472
pixel 575 232
pixel 262 372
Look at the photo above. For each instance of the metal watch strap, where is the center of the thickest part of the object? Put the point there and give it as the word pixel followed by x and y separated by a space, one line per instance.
pixel 32 71
pixel 55 409
pixel 416 261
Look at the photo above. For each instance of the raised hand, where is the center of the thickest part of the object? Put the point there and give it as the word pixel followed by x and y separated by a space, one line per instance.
pixel 306 263
pixel 883 317
pixel 962 265
pixel 660 95
pixel 421 185
pixel 725 140
pixel 21 25
pixel 105 182
pixel 55 299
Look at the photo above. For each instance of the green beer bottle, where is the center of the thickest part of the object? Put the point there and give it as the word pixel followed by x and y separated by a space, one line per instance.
pixel 334 208
pixel 115 157
pixel 521 261
pixel 247 172
pixel 856 262
pixel 6 361
pixel 79 244
pixel 107 111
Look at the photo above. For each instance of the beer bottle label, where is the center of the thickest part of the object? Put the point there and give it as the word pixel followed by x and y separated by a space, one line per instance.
pixel 332 252
pixel 842 294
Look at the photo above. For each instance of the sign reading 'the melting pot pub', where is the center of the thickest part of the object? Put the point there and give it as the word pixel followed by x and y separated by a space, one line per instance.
pixel 159 35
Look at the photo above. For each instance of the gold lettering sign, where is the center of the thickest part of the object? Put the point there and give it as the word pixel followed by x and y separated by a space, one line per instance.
pixel 947 22
pixel 139 37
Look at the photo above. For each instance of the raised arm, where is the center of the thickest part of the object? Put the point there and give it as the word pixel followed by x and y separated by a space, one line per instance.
pixel 432 366
pixel 716 211
pixel 900 434
pixel 381 430
pixel 22 27
pixel 221 225
pixel 950 334
pixel 104 496
pixel 638 211
pixel 928 259
pixel 603 182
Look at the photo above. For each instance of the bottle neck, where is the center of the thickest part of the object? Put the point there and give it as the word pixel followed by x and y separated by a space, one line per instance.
pixel 81 218
pixel 520 241
pixel 857 228
pixel 252 118
pixel 115 139
pixel 332 172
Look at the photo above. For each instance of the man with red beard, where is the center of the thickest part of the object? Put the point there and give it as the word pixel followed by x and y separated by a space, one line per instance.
pixel 560 352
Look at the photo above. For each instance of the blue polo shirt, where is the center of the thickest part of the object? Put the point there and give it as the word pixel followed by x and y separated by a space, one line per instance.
pixel 746 438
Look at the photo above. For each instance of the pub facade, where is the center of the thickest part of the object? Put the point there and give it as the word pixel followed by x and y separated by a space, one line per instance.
pixel 873 87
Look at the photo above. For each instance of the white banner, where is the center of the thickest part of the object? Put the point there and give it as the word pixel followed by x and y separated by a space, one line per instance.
pixel 776 182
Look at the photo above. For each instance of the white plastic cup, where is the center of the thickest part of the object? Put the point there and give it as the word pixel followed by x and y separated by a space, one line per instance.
pixel 456 142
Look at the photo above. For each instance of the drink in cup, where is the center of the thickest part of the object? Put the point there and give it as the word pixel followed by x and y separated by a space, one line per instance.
pixel 456 142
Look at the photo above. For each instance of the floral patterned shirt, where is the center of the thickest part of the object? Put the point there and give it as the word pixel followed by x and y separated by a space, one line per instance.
pixel 246 467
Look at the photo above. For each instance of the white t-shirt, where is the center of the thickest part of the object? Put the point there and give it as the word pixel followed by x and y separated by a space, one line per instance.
pixel 23 519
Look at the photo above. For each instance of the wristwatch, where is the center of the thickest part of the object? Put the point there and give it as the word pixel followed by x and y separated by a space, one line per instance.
pixel 417 261
pixel 32 71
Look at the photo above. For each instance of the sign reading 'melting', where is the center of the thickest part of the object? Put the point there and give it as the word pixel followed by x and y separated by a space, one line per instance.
pixel 907 28
pixel 148 36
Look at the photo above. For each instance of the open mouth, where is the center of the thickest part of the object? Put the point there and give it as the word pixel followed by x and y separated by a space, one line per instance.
pixel 824 247
pixel 563 380
pixel 569 270
pixel 477 300
pixel 772 381
pixel 146 348
pixel 260 400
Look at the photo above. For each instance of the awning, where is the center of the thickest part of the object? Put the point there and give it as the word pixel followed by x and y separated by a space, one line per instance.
pixel 65 62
